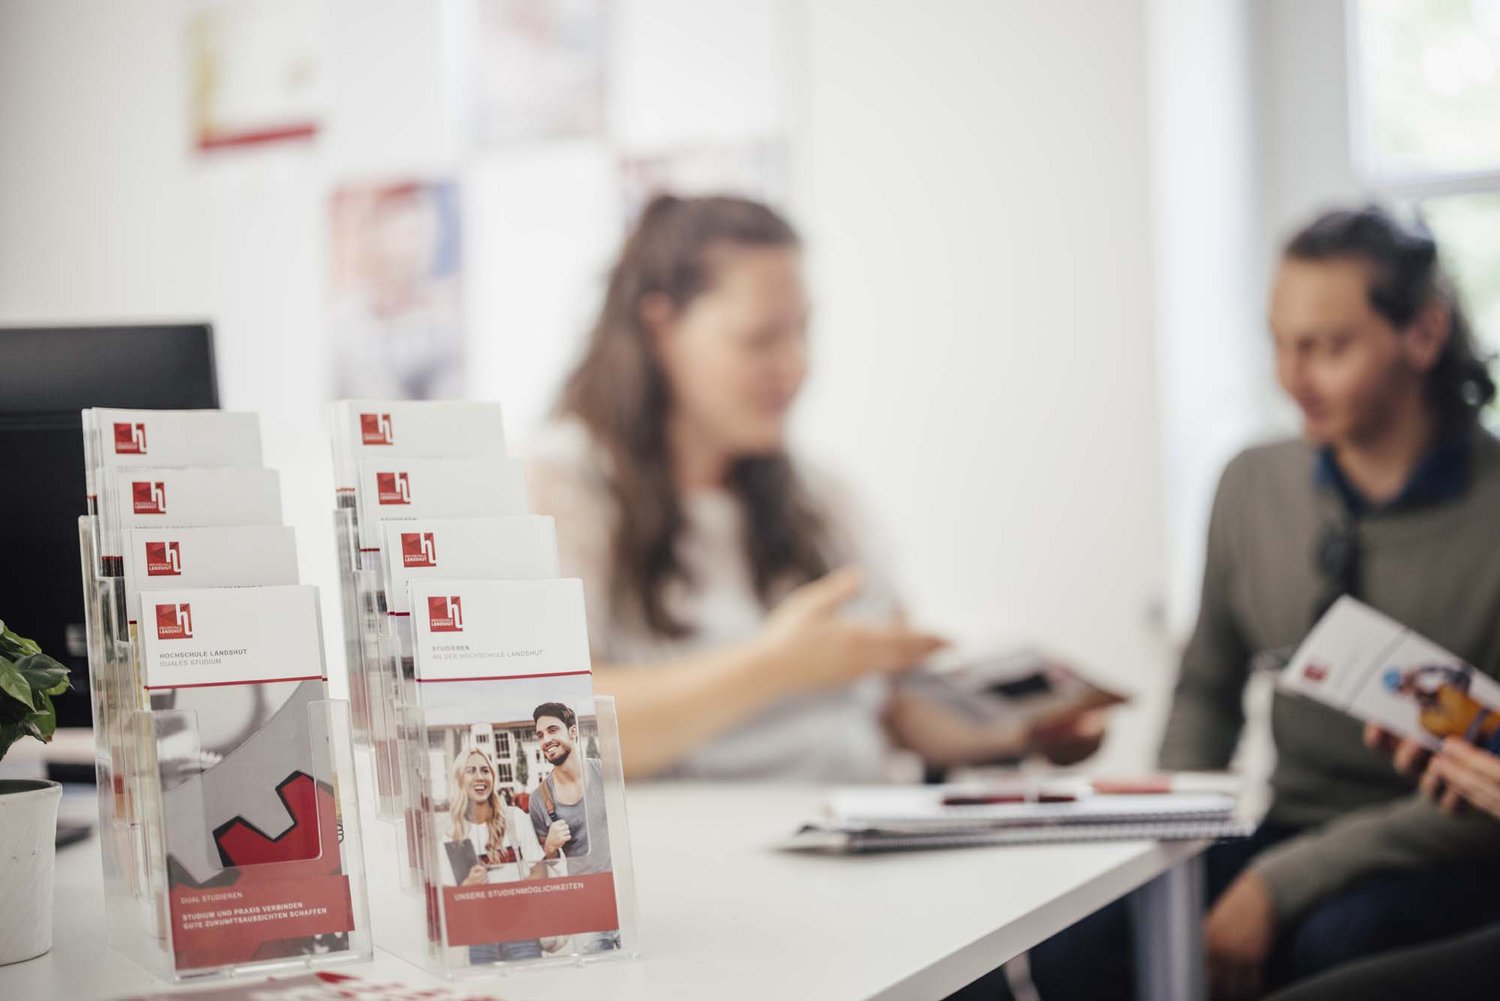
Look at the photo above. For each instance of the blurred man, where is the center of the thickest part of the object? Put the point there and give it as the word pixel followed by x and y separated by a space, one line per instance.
pixel 566 801
pixel 1391 495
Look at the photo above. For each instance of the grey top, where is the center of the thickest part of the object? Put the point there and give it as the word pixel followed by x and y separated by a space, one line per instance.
pixel 1435 568
pixel 588 849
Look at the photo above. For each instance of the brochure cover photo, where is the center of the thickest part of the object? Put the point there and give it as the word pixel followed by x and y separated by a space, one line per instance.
pixel 517 828
pixel 1374 668
pixel 248 806
pixel 521 831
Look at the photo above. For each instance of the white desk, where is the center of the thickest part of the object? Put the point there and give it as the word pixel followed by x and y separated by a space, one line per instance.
pixel 722 916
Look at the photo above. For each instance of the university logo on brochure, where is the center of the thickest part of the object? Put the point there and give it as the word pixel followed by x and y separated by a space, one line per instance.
pixel 393 488
pixel 148 497
pixel 445 614
pixel 375 429
pixel 163 559
pixel 418 549
pixel 130 439
pixel 174 622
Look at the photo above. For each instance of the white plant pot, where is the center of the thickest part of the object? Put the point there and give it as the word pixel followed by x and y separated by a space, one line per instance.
pixel 28 833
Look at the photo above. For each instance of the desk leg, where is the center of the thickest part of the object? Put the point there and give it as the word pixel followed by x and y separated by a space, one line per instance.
pixel 1167 914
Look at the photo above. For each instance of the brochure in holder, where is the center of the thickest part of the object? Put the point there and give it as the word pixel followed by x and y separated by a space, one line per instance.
pixel 520 911
pixel 515 809
pixel 469 670
pixel 230 828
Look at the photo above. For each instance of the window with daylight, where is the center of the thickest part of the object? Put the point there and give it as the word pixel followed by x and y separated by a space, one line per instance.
pixel 1425 114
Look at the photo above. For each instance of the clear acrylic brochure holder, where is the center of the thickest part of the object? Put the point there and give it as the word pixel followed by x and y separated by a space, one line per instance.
pixel 525 915
pixel 373 659
pixel 207 872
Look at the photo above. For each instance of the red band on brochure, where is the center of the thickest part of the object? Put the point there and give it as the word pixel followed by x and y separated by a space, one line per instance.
pixel 236 923
pixel 535 908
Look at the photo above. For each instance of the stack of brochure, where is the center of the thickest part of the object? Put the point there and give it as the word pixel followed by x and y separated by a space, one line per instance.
pixel 404 462
pixel 909 818
pixel 474 658
pixel 216 721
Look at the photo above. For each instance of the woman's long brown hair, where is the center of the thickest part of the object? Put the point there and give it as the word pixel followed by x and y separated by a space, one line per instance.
pixel 620 393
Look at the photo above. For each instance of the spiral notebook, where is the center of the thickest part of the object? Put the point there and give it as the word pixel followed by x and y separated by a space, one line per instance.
pixel 928 817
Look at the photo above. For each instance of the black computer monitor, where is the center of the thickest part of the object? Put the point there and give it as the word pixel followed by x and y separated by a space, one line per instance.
pixel 47 376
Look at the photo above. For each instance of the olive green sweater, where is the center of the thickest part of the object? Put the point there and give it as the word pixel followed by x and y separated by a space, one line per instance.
pixel 1435 568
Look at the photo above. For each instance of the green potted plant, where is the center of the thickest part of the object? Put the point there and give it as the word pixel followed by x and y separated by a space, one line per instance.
pixel 28 807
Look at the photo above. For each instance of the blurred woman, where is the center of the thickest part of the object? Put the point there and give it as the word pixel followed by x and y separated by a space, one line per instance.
pixel 735 610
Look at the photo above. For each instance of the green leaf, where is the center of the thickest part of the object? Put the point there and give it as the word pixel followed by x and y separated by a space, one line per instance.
pixel 28 679
pixel 44 674
pixel 13 683
pixel 13 645
pixel 45 716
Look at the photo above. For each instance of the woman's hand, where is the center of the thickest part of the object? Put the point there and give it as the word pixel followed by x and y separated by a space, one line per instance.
pixel 477 876
pixel 1069 741
pixel 810 645
pixel 942 735
pixel 1462 773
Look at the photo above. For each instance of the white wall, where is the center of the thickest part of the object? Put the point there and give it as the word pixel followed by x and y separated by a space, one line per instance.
pixel 1210 334
pixel 972 177
pixel 1303 82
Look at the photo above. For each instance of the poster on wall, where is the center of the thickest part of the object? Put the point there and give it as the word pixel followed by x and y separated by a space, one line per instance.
pixel 395 313
pixel 256 72
pixel 537 69
pixel 749 170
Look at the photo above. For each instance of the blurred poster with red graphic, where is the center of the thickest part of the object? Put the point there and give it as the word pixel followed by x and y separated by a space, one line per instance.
pixel 256 72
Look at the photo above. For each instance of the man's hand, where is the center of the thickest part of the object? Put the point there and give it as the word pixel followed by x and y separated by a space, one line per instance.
pixel 558 835
pixel 1238 936
pixel 1408 756
pixel 1463 773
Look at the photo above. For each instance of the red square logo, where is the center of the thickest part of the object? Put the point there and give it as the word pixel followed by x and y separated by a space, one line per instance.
pixel 147 497
pixel 375 429
pixel 418 549
pixel 445 614
pixel 1315 673
pixel 130 439
pixel 163 559
pixel 174 622
pixel 393 488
